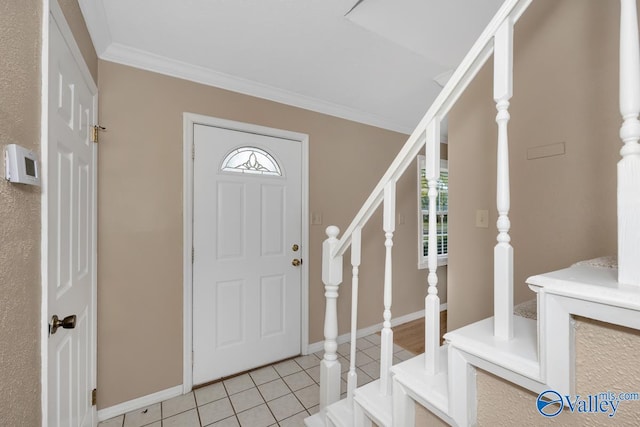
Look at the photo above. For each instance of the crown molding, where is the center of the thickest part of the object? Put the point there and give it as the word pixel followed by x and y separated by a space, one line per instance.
pixel 96 19
pixel 138 58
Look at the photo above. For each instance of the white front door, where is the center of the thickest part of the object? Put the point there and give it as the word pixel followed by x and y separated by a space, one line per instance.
pixel 246 236
pixel 70 235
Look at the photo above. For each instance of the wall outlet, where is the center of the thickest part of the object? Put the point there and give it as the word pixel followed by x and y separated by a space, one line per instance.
pixel 316 218
pixel 482 218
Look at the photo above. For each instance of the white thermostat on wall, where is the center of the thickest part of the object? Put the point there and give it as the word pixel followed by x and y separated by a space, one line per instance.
pixel 21 165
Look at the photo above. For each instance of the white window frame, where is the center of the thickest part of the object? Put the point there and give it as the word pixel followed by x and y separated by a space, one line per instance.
pixel 422 260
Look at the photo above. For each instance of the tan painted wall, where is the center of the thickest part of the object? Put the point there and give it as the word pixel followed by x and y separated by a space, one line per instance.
pixel 20 42
pixel 426 418
pixel 140 219
pixel 562 208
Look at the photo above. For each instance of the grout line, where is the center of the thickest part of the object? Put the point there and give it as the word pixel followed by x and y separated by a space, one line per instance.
pixel 294 394
pixel 197 407
pixel 290 390
pixel 263 398
pixel 297 413
pixel 279 377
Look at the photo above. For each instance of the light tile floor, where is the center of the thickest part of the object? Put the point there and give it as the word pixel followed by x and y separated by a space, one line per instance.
pixel 283 394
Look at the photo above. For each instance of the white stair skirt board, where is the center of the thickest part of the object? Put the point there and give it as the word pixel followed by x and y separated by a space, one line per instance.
pixel 139 403
pixel 319 346
pixel 430 391
pixel 377 407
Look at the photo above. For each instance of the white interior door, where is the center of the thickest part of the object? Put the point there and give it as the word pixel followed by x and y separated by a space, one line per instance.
pixel 246 221
pixel 70 235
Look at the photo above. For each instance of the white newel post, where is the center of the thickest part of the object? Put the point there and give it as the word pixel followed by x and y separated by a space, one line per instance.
pixel 503 252
pixel 386 338
pixel 629 165
pixel 331 277
pixel 432 301
pixel 352 379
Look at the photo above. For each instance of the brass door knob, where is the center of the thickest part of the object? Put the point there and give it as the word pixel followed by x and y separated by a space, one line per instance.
pixel 68 322
pixel 296 262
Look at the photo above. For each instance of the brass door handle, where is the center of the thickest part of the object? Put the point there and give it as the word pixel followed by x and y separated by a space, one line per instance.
pixel 68 322
pixel 296 262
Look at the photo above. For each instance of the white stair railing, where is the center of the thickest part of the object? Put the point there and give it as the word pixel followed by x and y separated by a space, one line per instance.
pixel 629 165
pixel 497 39
pixel 503 252
pixel 460 79
pixel 496 36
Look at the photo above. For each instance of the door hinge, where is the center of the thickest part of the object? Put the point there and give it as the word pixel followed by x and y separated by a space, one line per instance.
pixel 193 152
pixel 94 397
pixel 193 255
pixel 94 132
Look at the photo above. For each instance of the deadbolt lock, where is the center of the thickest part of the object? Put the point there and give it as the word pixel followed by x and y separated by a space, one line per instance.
pixel 295 247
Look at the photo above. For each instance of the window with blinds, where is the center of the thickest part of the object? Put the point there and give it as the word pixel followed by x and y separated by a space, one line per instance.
pixel 442 212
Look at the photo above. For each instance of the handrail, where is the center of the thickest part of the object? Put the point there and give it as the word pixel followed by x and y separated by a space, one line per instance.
pixel 463 75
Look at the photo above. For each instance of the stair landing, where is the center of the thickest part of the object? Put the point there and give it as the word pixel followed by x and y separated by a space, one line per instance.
pixel 515 360
pixel 430 391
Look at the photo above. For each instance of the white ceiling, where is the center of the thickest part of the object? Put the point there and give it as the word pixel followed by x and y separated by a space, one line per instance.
pixel 376 65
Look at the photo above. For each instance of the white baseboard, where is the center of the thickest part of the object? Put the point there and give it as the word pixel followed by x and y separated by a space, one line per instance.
pixel 319 346
pixel 139 403
pixel 151 399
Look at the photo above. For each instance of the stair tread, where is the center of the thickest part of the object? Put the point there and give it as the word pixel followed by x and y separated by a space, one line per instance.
pixel 379 407
pixel 340 413
pixel 519 354
pixel 314 420
pixel 431 391
pixel 585 282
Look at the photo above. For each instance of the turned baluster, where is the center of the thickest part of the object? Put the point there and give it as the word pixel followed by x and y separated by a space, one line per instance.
pixel 352 379
pixel 386 338
pixel 432 301
pixel 503 252
pixel 629 165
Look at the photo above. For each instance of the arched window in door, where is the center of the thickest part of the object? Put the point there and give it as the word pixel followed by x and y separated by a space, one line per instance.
pixel 251 160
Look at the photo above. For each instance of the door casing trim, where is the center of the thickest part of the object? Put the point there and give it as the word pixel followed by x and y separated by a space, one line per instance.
pixel 189 120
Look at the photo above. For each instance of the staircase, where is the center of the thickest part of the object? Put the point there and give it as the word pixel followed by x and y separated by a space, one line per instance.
pixel 535 354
